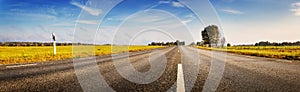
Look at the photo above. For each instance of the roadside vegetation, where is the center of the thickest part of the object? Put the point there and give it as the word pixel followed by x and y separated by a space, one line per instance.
pixel 280 52
pixel 212 40
pixel 19 55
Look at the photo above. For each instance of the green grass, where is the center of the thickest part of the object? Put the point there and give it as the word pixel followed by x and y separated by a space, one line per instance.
pixel 280 52
pixel 17 55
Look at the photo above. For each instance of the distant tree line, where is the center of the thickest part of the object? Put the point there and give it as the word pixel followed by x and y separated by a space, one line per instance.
pixel 177 42
pixel 267 43
pixel 33 44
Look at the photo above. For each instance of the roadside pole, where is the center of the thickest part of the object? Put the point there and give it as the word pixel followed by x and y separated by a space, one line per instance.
pixel 54 47
pixel 54 43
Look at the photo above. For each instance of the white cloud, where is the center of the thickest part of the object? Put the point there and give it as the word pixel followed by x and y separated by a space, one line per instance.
pixel 188 19
pixel 95 12
pixel 177 4
pixel 296 8
pixel 232 11
pixel 173 3
pixel 87 22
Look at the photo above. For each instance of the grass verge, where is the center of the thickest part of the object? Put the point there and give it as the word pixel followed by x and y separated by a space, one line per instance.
pixel 19 55
pixel 279 52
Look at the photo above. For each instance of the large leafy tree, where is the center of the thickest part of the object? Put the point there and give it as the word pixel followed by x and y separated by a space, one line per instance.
pixel 211 35
pixel 205 37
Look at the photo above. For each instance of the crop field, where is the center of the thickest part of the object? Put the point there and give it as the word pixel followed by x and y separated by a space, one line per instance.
pixel 280 52
pixel 18 55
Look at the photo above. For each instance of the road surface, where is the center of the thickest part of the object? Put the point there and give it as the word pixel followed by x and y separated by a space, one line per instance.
pixel 202 70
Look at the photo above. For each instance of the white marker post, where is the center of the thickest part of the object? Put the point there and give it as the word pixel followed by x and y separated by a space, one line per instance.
pixel 54 43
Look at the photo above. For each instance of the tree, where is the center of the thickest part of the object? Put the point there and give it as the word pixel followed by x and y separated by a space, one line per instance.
pixel 228 44
pixel 177 42
pixel 223 41
pixel 205 37
pixel 211 35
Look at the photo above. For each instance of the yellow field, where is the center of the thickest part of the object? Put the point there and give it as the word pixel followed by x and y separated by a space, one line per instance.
pixel 17 55
pixel 280 52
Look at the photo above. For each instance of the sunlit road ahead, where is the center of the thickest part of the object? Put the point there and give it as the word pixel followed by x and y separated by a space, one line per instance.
pixel 239 73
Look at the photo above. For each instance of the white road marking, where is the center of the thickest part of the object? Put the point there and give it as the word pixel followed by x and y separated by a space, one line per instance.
pixel 14 66
pixel 180 80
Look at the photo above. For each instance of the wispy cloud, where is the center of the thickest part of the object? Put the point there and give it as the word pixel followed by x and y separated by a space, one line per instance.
pixel 172 3
pixel 177 4
pixel 187 19
pixel 95 12
pixel 33 16
pixel 296 8
pixel 232 11
pixel 87 22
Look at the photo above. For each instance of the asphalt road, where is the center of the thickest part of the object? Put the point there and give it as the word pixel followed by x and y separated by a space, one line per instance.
pixel 156 71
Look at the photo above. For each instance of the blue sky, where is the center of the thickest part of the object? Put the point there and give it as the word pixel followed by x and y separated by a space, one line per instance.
pixel 143 21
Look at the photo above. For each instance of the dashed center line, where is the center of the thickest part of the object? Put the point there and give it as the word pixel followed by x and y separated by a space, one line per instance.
pixel 180 79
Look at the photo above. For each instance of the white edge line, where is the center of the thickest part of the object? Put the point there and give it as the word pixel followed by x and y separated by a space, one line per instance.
pixel 180 79
pixel 14 66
